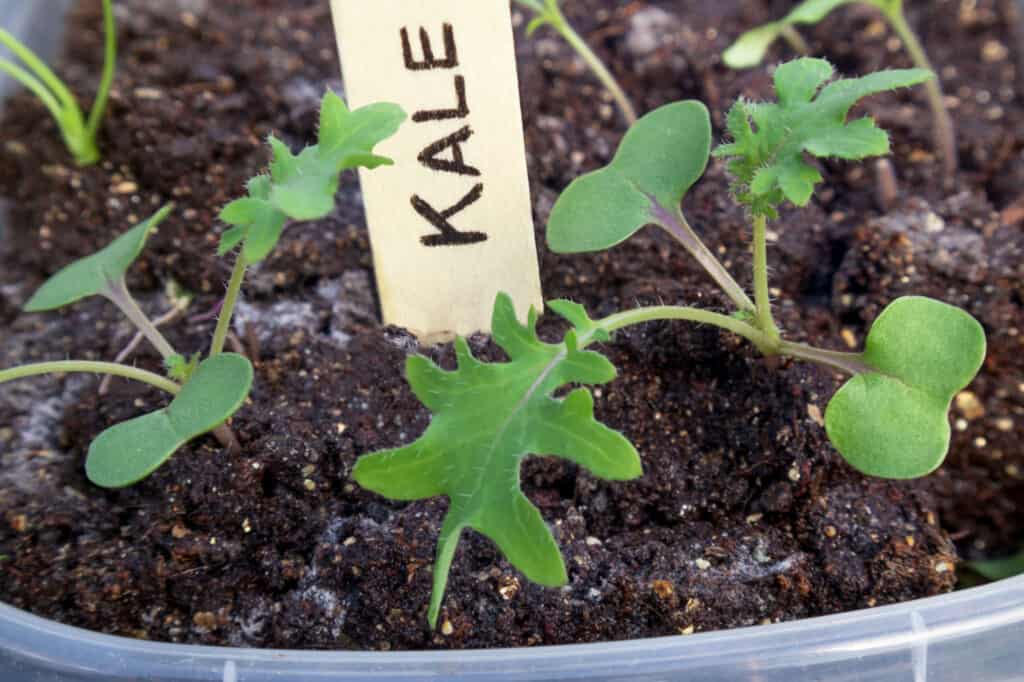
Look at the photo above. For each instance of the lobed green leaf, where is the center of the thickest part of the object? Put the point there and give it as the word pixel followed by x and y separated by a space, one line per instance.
pixel 660 158
pixel 770 141
pixel 302 186
pixel 94 274
pixel 893 422
pixel 128 452
pixel 487 418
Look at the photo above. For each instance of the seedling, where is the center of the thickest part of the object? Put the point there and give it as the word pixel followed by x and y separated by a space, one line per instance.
pixel 750 49
pixel 78 133
pixel 207 392
pixel 888 420
pixel 487 418
pixel 548 13
pixel 129 451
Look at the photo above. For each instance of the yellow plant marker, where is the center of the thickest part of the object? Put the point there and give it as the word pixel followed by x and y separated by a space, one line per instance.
pixel 451 222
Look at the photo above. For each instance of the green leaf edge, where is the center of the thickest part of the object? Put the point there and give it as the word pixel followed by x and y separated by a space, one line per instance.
pixel 104 267
pixel 100 459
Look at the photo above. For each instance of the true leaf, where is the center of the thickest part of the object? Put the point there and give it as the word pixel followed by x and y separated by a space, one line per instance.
pixel 750 48
pixel 181 368
pixel 892 422
pixel 302 186
pixel 770 140
pixel 660 158
pixel 94 274
pixel 487 418
pixel 128 452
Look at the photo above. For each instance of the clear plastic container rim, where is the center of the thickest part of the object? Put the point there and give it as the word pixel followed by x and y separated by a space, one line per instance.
pixel 913 627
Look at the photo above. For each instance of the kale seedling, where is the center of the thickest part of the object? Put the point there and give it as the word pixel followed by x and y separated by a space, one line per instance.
pixel 548 13
pixel 889 419
pixel 79 134
pixel 207 392
pixel 487 418
pixel 203 400
pixel 750 49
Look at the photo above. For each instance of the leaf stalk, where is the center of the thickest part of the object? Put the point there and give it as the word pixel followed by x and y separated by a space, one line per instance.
pixel 118 294
pixel 88 367
pixel 673 222
pixel 551 14
pixel 943 130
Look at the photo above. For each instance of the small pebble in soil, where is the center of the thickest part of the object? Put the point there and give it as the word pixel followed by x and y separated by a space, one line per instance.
pixel 663 588
pixel 969 406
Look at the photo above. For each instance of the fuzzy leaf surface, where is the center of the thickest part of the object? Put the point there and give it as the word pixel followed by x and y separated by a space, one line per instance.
pixel 302 186
pixel 487 417
pixel 893 422
pixel 660 158
pixel 750 48
pixel 128 452
pixel 770 141
pixel 94 274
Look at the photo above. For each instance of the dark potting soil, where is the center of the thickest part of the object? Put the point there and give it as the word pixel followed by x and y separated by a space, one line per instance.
pixel 745 513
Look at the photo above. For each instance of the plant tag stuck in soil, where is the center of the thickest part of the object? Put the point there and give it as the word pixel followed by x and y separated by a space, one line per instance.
pixel 450 222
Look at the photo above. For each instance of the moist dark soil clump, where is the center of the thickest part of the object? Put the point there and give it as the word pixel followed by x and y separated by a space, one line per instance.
pixel 745 513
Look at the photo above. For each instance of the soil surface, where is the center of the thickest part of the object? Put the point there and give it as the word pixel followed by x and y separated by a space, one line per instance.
pixel 745 514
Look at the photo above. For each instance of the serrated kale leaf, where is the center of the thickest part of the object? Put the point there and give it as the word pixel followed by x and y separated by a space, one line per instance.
pixel 770 140
pixel 302 186
pixel 486 418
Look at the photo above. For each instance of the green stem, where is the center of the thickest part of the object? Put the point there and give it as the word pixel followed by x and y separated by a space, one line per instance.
pixel 118 294
pixel 849 363
pixel 674 222
pixel 795 40
pixel 553 16
pixel 99 106
pixel 87 367
pixel 762 299
pixel 640 315
pixel 943 130
pixel 220 335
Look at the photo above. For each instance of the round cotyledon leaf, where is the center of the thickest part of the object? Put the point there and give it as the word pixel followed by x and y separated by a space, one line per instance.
pixel 660 158
pixel 893 422
pixel 128 452
pixel 93 274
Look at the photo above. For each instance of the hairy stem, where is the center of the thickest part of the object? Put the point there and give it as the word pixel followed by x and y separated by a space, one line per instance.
pixel 675 224
pixel 99 106
pixel 118 294
pixel 762 300
pixel 943 130
pixel 220 334
pixel 83 366
pixel 553 16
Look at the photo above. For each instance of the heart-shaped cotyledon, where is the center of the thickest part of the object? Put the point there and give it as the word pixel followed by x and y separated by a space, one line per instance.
pixel 892 422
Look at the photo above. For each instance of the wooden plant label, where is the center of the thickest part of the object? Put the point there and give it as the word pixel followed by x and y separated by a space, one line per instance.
pixel 450 223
